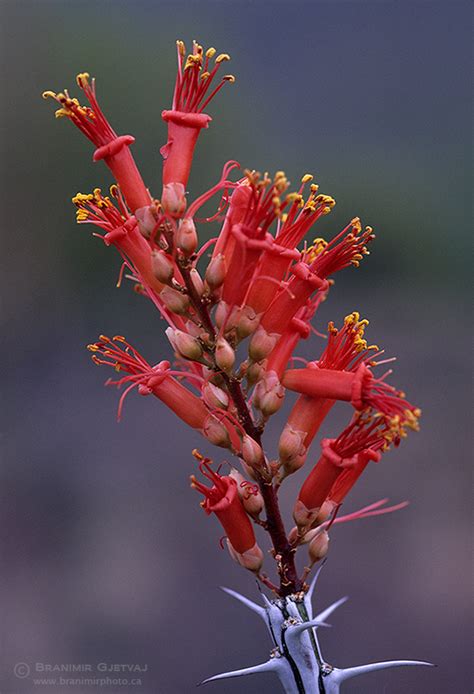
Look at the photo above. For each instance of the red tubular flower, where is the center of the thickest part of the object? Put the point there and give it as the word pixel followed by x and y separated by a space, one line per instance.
pixel 113 149
pixel 345 350
pixel 186 119
pixel 293 225
pixel 223 500
pixel 149 379
pixel 309 276
pixel 367 434
pixel 121 231
pixel 349 477
pixel 251 234
pixel 360 388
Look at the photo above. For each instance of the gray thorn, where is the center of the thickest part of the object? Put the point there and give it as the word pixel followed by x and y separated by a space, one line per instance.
pixel 245 601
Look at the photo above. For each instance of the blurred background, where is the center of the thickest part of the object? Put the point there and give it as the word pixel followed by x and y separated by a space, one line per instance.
pixel 106 555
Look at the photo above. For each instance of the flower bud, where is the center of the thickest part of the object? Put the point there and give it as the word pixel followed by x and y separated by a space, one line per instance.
pixel 186 236
pixel 186 345
pixel 269 394
pixel 318 547
pixel 214 396
pixel 162 267
pixel 249 494
pixel 216 272
pixel 225 355
pixel 262 344
pixel 245 321
pixel 221 313
pixel 255 372
pixel 173 199
pixel 197 281
pixel 216 433
pixel 175 301
pixel 251 559
pixel 304 516
pixel 147 218
pixel 325 512
pixel 290 445
pixel 251 452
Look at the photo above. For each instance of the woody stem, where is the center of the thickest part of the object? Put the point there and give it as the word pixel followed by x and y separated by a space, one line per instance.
pixel 284 552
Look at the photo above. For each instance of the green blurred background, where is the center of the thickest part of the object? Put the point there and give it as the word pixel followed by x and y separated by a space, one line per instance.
pixel 107 556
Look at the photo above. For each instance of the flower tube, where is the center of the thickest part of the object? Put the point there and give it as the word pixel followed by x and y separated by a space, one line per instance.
pixel 186 119
pixel 223 500
pixel 113 149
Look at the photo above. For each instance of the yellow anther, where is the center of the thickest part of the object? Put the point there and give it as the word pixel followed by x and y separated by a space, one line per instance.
pixel 356 225
pixel 181 48
pixel 191 61
pixel 294 197
pixel 210 53
pixel 82 80
pixel 104 338
pixel 205 75
pixel 223 56
pixel 92 348
pixel 229 78
pixel 49 95
pixel 117 367
pixel 284 217
pixel 314 187
pixel 118 338
pixel 307 178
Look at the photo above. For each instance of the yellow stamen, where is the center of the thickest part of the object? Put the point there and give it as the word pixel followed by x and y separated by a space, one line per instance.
pixel 82 80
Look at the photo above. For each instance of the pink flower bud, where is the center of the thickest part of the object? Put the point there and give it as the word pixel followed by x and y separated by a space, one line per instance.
pixel 269 394
pixel 304 516
pixel 254 372
pixel 251 452
pixel 325 512
pixel 162 267
pixel 262 344
pixel 318 547
pixel 225 355
pixel 216 271
pixel 173 199
pixel 221 313
pixel 214 396
pixel 251 559
pixel 175 301
pixel 249 494
pixel 147 218
pixel 291 443
pixel 186 237
pixel 186 345
pixel 245 321
pixel 197 281
pixel 216 433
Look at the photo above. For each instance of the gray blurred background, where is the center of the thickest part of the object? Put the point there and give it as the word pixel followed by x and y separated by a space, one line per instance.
pixel 107 557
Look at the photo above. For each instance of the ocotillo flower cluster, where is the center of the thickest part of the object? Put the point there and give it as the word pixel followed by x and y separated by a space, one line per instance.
pixel 237 307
